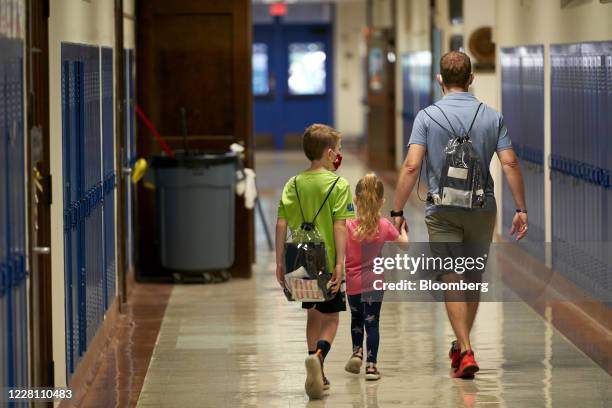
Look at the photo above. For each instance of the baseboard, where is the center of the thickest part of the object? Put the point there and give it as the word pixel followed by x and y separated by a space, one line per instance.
pixel 87 369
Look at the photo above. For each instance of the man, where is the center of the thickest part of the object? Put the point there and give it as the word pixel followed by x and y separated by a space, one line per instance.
pixel 458 111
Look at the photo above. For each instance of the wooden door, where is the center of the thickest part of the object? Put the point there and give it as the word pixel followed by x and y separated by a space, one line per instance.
pixel 194 55
pixel 39 186
pixel 381 99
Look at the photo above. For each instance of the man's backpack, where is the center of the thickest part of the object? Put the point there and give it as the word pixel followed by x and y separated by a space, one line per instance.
pixel 461 181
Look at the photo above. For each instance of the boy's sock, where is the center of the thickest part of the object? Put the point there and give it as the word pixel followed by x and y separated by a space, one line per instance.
pixel 324 346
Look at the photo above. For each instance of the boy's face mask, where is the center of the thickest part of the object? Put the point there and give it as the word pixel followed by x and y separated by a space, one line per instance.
pixel 337 161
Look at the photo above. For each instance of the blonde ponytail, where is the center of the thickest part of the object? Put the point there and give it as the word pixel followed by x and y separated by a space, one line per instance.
pixel 368 193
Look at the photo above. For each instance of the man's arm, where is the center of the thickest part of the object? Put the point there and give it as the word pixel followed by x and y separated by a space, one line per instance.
pixel 407 178
pixel 512 171
pixel 340 236
pixel 281 236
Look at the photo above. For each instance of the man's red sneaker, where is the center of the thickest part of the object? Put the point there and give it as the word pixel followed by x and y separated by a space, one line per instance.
pixel 454 354
pixel 467 365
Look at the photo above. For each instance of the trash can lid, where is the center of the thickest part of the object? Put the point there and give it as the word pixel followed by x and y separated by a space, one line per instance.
pixel 195 159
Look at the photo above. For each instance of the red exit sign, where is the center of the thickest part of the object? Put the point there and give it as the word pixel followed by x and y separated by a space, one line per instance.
pixel 278 9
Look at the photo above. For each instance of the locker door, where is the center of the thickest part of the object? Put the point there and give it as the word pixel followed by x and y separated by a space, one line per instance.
pixel 13 284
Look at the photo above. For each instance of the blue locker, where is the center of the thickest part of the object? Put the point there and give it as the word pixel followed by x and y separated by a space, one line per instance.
pixel 579 164
pixel 522 70
pixel 13 276
pixel 416 87
pixel 108 171
pixel 89 183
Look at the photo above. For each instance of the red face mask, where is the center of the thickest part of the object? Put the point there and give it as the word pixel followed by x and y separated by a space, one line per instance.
pixel 338 161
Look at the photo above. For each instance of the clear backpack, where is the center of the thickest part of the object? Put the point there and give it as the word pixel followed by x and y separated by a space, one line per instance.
pixel 461 180
pixel 307 273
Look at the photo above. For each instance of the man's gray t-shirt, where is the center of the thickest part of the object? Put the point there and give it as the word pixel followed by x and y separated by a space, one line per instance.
pixel 488 135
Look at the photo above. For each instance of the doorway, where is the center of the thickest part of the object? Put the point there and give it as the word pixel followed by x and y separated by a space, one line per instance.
pixel 292 81
pixel 39 196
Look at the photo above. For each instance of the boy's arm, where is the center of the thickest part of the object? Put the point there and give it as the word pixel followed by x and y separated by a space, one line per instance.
pixel 281 235
pixel 340 236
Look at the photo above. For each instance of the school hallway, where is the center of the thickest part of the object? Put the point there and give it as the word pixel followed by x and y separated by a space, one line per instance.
pixel 135 269
pixel 241 344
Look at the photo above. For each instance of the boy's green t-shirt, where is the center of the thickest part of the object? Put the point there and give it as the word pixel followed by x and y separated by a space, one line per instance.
pixel 313 187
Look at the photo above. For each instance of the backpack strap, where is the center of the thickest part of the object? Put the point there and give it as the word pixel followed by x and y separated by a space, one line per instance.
pixel 438 123
pixel 325 200
pixel 298 198
pixel 446 117
pixel 473 120
pixel 311 223
pixel 453 133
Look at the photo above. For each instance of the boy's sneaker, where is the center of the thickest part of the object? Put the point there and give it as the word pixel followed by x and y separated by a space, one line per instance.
pixel 314 376
pixel 353 365
pixel 454 354
pixel 372 373
pixel 467 365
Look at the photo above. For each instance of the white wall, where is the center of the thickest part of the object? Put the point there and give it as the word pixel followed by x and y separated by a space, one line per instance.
pixel 81 22
pixel 129 26
pixel 413 34
pixel 350 49
pixel 544 22
pixel 381 13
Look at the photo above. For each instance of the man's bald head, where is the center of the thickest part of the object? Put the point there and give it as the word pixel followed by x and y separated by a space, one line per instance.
pixel 456 69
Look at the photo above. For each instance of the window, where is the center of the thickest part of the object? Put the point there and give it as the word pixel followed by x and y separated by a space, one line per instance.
pixel 261 83
pixel 376 69
pixel 307 72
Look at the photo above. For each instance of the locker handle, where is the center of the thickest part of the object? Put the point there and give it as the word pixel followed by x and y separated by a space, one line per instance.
pixel 3 278
pixel 41 250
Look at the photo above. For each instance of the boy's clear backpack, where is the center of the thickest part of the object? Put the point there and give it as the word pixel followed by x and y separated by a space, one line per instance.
pixel 461 180
pixel 307 274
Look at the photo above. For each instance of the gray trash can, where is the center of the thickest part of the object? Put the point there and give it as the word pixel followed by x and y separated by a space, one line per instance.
pixel 195 210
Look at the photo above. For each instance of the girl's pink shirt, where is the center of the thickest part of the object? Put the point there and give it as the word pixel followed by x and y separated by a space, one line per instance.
pixel 360 256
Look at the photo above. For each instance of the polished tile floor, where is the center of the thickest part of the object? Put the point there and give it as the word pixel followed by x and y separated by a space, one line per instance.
pixel 240 344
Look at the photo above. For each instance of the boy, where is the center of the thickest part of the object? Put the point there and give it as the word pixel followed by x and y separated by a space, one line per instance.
pixel 321 145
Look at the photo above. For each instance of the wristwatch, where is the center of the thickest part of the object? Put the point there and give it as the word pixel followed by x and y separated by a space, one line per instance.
pixel 521 210
pixel 399 213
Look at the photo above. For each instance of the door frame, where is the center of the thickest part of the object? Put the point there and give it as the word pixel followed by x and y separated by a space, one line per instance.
pixel 39 193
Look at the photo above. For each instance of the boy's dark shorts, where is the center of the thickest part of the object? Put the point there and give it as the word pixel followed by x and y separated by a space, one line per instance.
pixel 335 305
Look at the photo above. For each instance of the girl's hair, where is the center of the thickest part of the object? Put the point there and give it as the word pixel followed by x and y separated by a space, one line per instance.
pixel 368 193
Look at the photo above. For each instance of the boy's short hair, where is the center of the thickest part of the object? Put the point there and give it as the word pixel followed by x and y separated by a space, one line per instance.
pixel 455 68
pixel 317 139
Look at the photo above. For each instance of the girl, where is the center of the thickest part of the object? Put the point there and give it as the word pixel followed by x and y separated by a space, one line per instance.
pixel 366 235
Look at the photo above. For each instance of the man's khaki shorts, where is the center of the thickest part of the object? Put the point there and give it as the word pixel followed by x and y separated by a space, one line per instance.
pixel 461 226
pixel 460 234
